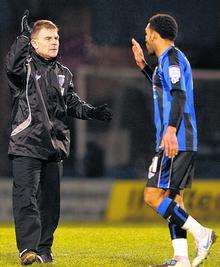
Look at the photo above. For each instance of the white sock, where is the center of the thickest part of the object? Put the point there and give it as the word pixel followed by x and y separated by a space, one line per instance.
pixel 180 247
pixel 194 227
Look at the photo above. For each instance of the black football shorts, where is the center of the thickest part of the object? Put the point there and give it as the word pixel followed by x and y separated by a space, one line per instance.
pixel 176 173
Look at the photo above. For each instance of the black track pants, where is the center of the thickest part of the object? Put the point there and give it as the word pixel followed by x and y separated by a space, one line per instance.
pixel 36 202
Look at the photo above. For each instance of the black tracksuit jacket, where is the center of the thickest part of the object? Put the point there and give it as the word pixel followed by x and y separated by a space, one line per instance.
pixel 42 99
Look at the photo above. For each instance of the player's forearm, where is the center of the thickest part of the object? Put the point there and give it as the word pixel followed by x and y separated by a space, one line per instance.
pixel 148 72
pixel 177 108
pixel 18 53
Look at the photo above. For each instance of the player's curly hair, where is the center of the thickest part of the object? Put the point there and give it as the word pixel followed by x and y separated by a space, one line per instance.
pixel 165 25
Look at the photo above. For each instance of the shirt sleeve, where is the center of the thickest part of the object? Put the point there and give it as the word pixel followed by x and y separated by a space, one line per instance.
pixel 15 64
pixel 16 57
pixel 148 73
pixel 177 107
pixel 173 74
pixel 174 82
pixel 75 106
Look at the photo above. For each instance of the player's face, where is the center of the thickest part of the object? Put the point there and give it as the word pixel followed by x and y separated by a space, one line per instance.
pixel 46 43
pixel 149 39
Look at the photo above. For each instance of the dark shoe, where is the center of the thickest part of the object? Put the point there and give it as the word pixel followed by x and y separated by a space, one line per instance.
pixel 28 257
pixel 45 258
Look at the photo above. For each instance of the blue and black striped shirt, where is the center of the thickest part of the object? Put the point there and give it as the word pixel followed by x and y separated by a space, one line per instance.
pixel 174 73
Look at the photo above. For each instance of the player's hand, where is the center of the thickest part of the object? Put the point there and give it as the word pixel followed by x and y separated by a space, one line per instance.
pixel 102 113
pixel 138 54
pixel 169 142
pixel 25 28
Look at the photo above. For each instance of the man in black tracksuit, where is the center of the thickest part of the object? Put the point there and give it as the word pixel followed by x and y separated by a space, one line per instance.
pixel 43 98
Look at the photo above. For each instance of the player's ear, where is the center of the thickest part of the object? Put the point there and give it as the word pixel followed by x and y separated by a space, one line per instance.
pixel 152 34
pixel 156 35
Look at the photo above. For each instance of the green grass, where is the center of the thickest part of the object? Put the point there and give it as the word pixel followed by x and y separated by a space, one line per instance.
pixel 106 245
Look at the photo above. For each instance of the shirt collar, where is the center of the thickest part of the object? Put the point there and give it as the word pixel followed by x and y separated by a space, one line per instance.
pixel 164 53
pixel 43 61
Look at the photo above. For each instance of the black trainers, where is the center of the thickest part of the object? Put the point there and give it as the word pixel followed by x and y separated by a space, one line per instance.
pixel 28 257
pixel 44 258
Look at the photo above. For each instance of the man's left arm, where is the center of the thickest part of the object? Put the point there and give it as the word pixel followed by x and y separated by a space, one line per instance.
pixel 81 110
pixel 173 77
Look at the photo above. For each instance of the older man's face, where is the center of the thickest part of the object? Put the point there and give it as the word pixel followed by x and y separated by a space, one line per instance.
pixel 46 43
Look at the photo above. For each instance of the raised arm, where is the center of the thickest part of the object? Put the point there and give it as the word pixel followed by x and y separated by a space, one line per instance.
pixel 140 60
pixel 19 51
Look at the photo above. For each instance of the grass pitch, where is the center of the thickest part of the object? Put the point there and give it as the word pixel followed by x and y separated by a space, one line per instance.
pixel 106 245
